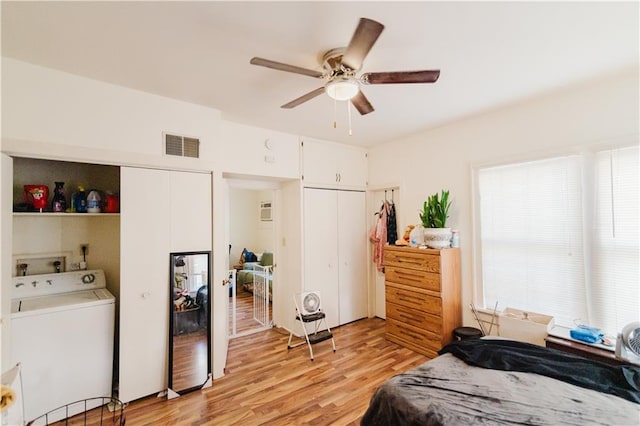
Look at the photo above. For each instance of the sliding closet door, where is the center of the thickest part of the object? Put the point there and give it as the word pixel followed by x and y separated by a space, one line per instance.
pixel 321 249
pixel 144 280
pixel 352 252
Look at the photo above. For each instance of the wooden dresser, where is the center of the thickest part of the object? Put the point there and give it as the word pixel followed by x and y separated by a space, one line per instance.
pixel 422 291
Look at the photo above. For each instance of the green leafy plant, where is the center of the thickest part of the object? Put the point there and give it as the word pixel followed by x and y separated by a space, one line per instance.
pixel 435 210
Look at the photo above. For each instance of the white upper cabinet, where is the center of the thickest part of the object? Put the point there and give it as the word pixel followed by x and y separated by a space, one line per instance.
pixel 190 211
pixel 332 165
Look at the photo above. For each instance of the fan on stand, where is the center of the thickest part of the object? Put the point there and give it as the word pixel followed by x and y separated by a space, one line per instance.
pixel 341 66
pixel 309 312
pixel 628 343
pixel 310 302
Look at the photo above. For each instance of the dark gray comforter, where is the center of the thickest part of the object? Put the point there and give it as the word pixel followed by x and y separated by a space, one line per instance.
pixel 447 391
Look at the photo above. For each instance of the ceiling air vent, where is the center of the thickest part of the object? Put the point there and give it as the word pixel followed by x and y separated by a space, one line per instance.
pixel 181 146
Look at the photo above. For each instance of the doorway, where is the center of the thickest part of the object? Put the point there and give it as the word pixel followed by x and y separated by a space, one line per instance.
pixel 251 256
pixel 378 197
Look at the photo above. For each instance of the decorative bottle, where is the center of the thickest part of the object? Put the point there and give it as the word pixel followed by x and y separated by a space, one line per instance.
pixel 59 201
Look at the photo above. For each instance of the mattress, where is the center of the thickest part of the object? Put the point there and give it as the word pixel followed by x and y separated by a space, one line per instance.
pixel 448 391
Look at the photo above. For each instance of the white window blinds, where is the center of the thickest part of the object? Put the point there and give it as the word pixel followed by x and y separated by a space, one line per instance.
pixel 615 293
pixel 554 243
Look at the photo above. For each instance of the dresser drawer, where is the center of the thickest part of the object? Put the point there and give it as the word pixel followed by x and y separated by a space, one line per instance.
pixel 412 260
pixel 420 279
pixel 413 335
pixel 413 317
pixel 412 299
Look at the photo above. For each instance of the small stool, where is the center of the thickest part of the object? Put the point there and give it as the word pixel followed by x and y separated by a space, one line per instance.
pixel 464 333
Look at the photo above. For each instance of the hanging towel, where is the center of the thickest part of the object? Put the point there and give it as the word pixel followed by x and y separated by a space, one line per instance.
pixel 378 236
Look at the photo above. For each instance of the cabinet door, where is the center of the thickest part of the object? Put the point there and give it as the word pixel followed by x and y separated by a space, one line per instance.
pixel 319 163
pixel 352 168
pixel 190 198
pixel 352 252
pixel 321 249
pixel 144 282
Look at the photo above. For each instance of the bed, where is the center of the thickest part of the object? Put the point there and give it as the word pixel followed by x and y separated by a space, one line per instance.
pixel 486 381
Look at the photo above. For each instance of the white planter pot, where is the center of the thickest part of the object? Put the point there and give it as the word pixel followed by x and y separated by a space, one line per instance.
pixel 437 238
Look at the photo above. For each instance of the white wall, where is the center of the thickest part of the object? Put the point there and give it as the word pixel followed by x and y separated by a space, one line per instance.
pixel 596 112
pixel 255 151
pixel 243 222
pixel 57 115
pixel 266 229
pixel 288 273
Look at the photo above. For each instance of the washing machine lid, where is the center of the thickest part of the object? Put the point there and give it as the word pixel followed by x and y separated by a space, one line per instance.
pixel 61 301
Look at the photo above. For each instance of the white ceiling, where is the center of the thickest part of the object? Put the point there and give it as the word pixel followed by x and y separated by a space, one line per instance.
pixel 490 54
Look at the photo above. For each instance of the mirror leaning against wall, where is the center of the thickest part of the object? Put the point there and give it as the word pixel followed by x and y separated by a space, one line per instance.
pixel 189 321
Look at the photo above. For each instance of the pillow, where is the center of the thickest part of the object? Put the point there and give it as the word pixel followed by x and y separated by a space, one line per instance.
pixel 267 259
pixel 247 256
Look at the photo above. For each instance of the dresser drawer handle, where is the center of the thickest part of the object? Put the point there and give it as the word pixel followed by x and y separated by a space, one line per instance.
pixel 408 275
pixel 409 317
pixel 412 335
pixel 410 299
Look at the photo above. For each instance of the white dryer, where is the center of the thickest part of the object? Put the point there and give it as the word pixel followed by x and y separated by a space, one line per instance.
pixel 62 332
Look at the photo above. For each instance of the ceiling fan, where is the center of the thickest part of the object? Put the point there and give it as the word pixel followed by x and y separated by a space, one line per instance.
pixel 340 68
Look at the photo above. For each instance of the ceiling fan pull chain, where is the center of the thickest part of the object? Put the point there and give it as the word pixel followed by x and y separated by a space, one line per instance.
pixel 349 114
pixel 335 106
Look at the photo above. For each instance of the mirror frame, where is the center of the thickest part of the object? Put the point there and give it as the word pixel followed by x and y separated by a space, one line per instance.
pixel 172 259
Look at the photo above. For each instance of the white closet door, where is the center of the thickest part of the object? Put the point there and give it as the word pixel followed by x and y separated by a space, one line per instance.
pixel 352 252
pixel 321 249
pixel 144 282
pixel 190 195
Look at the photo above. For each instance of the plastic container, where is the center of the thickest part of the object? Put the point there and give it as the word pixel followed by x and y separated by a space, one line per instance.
pixel 93 202
pixel 525 326
pixel 416 237
pixel 455 238
pixel 80 200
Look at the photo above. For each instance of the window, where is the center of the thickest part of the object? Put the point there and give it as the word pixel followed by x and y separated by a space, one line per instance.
pixel 560 236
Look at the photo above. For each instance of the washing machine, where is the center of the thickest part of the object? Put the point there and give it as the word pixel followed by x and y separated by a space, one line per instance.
pixel 62 329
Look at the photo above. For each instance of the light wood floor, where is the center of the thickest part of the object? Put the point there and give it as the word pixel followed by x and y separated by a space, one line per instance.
pixel 244 312
pixel 267 384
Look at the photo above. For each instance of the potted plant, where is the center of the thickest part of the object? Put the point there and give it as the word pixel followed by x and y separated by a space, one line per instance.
pixel 434 215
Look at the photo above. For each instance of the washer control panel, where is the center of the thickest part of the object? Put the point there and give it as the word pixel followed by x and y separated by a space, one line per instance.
pixel 63 282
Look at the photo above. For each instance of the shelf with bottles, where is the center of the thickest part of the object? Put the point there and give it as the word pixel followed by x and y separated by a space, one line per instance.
pixel 51 214
pixel 60 188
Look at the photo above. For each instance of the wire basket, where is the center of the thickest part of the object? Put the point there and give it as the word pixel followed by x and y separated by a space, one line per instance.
pixel 100 411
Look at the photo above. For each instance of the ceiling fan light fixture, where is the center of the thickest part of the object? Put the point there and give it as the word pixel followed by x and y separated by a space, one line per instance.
pixel 343 89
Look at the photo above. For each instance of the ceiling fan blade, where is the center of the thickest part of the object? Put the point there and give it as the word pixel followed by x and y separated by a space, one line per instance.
pixel 361 103
pixel 304 98
pixel 285 67
pixel 361 43
pixel 397 77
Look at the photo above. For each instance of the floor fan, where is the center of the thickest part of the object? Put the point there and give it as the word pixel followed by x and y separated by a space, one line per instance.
pixel 628 343
pixel 310 302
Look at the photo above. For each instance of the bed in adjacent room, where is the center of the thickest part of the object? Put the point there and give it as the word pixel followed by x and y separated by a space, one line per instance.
pixel 506 382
